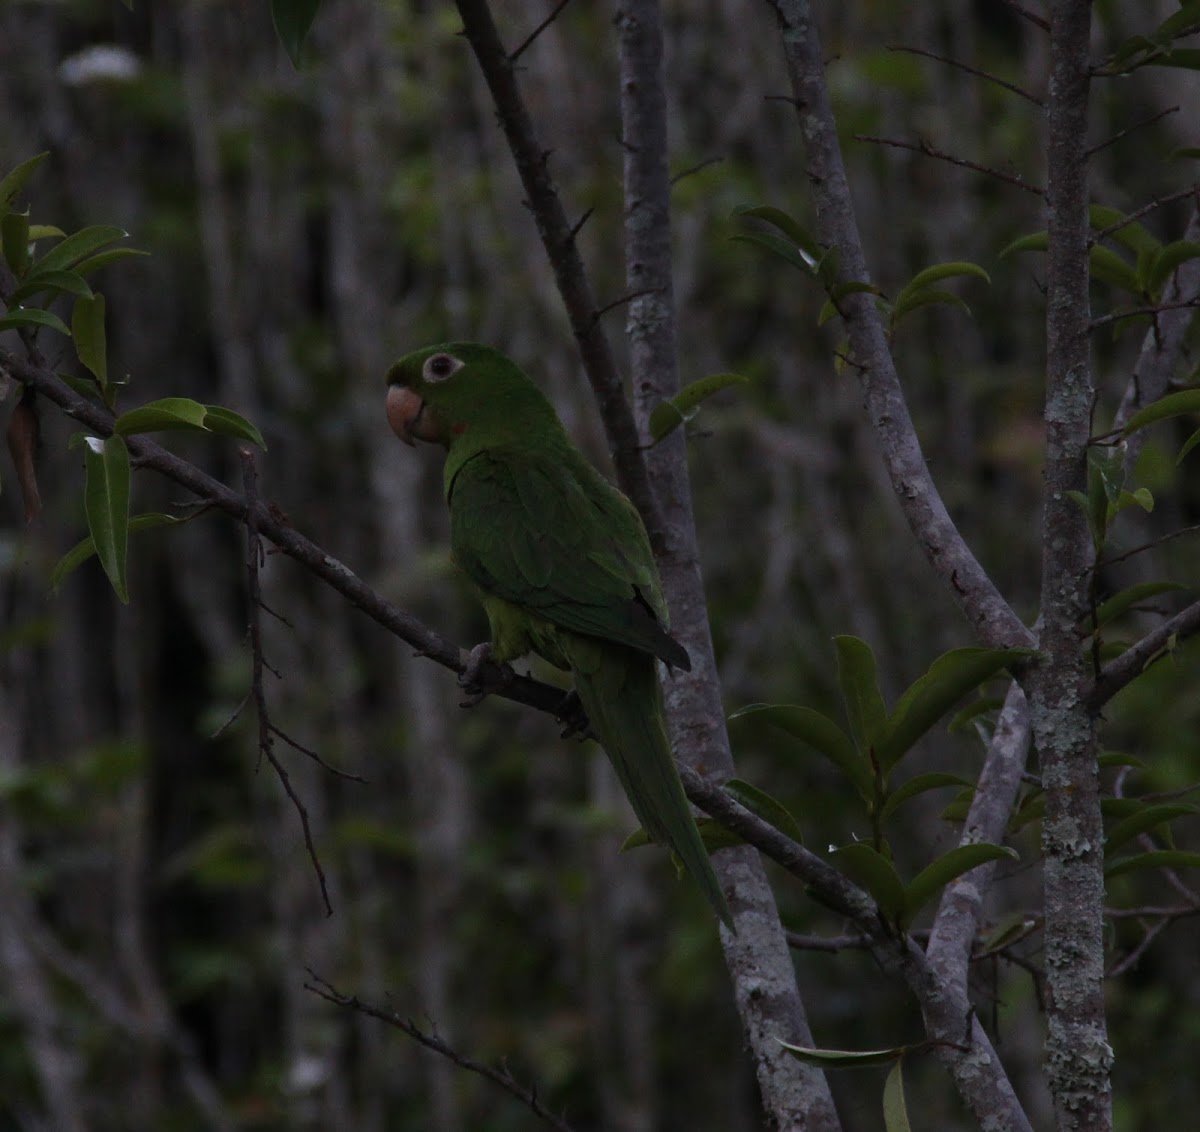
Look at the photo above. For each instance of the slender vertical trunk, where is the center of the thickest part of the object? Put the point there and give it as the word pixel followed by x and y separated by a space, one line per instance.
pixel 794 1095
pixel 1078 1056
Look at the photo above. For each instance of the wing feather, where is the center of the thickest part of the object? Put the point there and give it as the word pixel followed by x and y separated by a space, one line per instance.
pixel 542 533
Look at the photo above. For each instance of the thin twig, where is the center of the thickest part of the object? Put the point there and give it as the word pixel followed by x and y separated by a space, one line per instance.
pixel 315 757
pixel 923 147
pixel 502 1077
pixel 693 169
pixel 1129 312
pixel 254 557
pixel 1012 87
pixel 1138 213
pixel 1129 130
pixel 1029 14
pixel 518 51
pixel 626 298
pixel 1111 561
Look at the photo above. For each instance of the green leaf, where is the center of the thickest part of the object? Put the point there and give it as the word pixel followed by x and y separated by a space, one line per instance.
pixel 790 253
pixel 15 180
pixel 78 246
pixel 860 689
pixel 1188 445
pixel 1163 266
pixel 44 232
pixel 1157 859
pixel 1145 820
pixel 930 697
pixel 1186 151
pixel 1172 405
pixel 919 784
pixel 870 869
pixel 293 19
pixel 895 1112
pixel 819 732
pixel 792 229
pixel 668 415
pixel 82 551
pixel 1108 267
pixel 61 282
pixel 1009 930
pixel 770 809
pixel 182 413
pixel 14 242
pixel 1183 22
pixel 106 502
pixel 103 259
pixel 167 413
pixel 91 346
pixel 1034 242
pixel 1120 602
pixel 32 316
pixel 228 423
pixel 845 1058
pixel 935 876
pixel 926 298
pixel 923 280
pixel 1186 58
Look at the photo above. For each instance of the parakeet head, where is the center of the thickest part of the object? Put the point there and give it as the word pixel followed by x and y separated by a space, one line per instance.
pixel 461 390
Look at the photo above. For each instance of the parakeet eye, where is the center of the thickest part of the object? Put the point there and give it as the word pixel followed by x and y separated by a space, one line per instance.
pixel 441 366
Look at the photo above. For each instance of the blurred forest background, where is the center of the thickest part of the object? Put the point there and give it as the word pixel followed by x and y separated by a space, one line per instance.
pixel 158 909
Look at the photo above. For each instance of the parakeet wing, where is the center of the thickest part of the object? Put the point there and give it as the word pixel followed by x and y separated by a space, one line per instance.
pixel 547 532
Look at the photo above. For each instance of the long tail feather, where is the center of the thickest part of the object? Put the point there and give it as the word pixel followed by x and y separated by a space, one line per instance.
pixel 618 688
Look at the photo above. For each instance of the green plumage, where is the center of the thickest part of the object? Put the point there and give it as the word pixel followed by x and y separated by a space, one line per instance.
pixel 563 565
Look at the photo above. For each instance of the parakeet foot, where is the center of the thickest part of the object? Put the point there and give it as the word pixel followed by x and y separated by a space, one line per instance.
pixel 473 678
pixel 571 715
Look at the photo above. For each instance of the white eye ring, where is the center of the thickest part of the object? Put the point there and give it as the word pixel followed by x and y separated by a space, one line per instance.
pixel 438 367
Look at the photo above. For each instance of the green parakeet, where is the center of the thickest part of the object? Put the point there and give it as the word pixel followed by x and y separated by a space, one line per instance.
pixel 562 562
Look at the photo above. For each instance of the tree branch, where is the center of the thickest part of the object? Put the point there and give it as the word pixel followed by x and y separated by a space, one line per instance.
pixel 502 1077
pixel 947 553
pixel 757 956
pixel 274 527
pixel 559 241
pixel 1138 657
pixel 955 1033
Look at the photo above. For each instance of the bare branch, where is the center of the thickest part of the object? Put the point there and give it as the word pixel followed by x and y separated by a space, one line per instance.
pixel 1153 309
pixel 502 1077
pixel 992 618
pixel 254 555
pixel 957 922
pixel 1130 129
pixel 1162 345
pixel 930 151
pixel 527 42
pixel 1146 209
pixel 1137 658
pixel 1012 87
pixel 1029 14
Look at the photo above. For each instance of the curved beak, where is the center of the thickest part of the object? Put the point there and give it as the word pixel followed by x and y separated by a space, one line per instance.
pixel 407 414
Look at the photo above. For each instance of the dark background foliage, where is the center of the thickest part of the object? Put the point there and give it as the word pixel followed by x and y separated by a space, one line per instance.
pixel 158 910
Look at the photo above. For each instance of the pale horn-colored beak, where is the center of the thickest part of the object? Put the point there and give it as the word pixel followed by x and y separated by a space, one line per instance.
pixel 404 410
